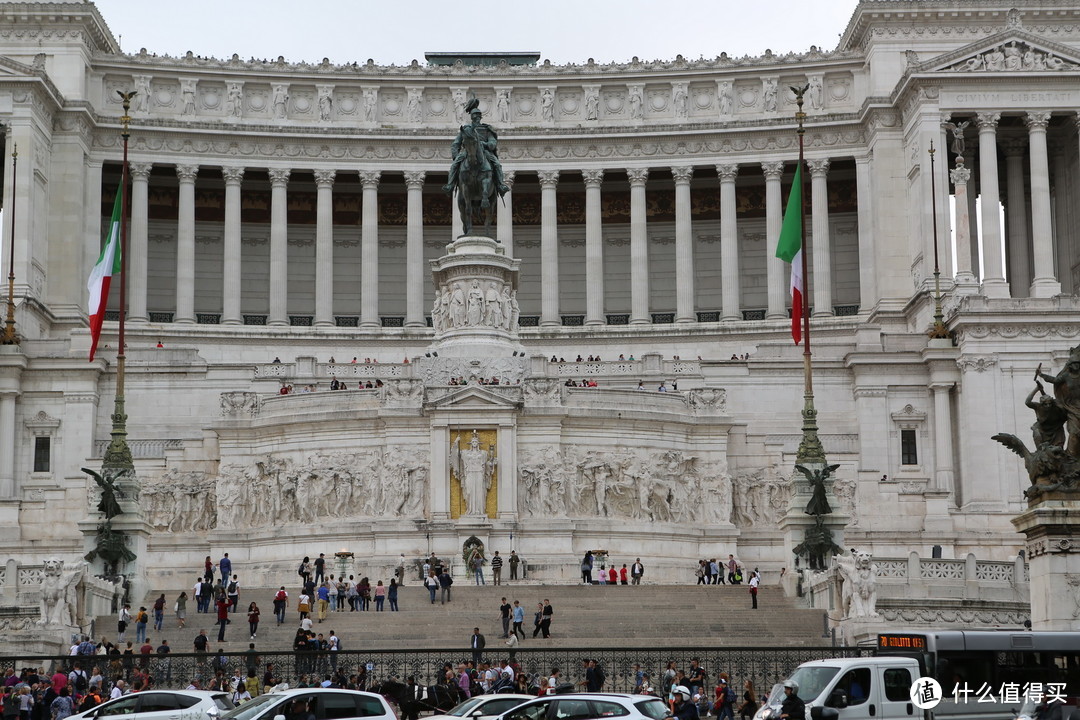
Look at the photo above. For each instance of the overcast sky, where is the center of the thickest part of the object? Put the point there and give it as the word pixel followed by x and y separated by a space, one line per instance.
pixel 563 31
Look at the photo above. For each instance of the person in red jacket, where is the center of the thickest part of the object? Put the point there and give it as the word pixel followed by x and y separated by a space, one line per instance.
pixel 613 575
pixel 623 575
pixel 222 606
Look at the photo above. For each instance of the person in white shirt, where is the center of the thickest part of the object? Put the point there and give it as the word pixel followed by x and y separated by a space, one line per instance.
pixel 118 690
pixel 552 682
pixel 754 582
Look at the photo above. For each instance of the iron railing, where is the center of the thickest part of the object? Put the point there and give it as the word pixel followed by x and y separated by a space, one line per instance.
pixel 764 666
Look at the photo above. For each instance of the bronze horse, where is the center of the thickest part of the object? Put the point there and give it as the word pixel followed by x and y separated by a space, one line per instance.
pixel 476 191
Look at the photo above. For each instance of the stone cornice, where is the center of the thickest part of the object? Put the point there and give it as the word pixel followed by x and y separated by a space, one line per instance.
pixel 36 20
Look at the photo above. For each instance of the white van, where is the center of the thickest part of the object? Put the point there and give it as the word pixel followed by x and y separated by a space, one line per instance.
pixel 869 688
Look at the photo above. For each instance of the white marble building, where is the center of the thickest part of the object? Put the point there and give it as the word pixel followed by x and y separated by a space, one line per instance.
pixel 291 211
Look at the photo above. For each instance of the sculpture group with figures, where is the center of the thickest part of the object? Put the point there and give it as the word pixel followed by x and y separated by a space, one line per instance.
pixel 59 593
pixel 1054 464
pixel 858 590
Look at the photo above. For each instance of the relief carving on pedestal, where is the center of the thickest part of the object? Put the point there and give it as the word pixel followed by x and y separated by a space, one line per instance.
pixel 462 304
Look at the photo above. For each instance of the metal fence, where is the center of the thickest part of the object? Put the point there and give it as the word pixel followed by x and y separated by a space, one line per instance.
pixel 761 665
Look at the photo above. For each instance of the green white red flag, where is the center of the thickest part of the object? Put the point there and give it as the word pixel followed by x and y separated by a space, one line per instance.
pixel 107 266
pixel 789 249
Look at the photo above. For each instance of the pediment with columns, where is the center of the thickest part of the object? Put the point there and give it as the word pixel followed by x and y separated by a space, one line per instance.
pixel 1011 50
pixel 474 397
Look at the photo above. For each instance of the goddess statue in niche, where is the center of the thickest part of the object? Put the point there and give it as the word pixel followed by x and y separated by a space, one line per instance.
pixel 475 467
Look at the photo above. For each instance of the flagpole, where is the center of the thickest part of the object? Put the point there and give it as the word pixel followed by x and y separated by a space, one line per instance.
pixel 10 338
pixel 118 456
pixel 938 330
pixel 810 448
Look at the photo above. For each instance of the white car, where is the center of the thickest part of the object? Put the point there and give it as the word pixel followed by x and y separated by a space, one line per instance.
pixel 161 705
pixel 307 703
pixel 590 706
pixel 484 707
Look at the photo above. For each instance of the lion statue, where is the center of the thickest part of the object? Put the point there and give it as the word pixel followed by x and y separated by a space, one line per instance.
pixel 858 575
pixel 59 593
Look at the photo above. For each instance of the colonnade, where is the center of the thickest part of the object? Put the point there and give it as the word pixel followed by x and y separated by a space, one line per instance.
pixel 416 270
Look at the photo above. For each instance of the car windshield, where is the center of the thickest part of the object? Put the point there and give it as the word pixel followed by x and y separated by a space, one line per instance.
pixel 653 708
pixel 813 679
pixel 463 708
pixel 252 708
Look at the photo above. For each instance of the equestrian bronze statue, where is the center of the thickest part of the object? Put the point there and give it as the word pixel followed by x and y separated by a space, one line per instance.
pixel 476 173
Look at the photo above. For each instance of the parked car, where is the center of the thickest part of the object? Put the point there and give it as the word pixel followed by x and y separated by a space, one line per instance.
pixel 161 705
pixel 589 706
pixel 322 703
pixel 484 707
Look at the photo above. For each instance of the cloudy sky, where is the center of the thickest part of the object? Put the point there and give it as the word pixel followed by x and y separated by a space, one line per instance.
pixel 563 31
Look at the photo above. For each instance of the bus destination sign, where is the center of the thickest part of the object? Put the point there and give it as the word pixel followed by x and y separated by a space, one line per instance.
pixel 901 642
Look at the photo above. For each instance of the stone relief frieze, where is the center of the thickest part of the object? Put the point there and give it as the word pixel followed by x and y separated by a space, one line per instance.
pixel 761 497
pixel 436 371
pixel 180 501
pixel 461 305
pixel 628 483
pixel 240 404
pixel 1013 56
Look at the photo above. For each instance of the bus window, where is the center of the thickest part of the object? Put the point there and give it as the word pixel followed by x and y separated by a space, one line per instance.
pixel 971 671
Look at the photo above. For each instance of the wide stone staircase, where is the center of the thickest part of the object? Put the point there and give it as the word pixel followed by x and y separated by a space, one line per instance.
pixel 585 616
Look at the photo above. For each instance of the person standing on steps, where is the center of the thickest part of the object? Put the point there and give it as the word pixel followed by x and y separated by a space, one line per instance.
pixel 519 619
pixel 222 606
pixel 545 621
pixel 320 568
pixel 504 614
pixel 477 643
pixel 281 601
pixel 432 584
pixel 754 582
pixel 253 619
pixel 391 595
pixel 225 566
pixel 445 581
pixel 514 562
pixel 496 568
pixel 636 571
pixel 538 617
pixel 478 568
pixel 586 569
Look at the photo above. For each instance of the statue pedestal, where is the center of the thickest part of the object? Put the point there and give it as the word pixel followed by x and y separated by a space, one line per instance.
pixel 1052 528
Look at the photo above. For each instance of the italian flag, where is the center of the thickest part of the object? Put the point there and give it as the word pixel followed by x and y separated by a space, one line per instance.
pixel 789 249
pixel 101 276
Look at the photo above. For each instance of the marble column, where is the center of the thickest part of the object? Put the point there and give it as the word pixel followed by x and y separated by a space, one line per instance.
pixel 868 290
pixel 973 216
pixel 943 450
pixel 994 284
pixel 639 248
pixel 7 444
pixel 137 241
pixel 1062 213
pixel 729 244
pixel 231 260
pixel 1045 284
pixel 774 220
pixel 279 246
pixel 369 250
pixel 594 249
pixel 185 245
pixel 414 249
pixel 1019 271
pixel 820 245
pixel 504 216
pixel 960 177
pixel 549 250
pixel 684 247
pixel 324 247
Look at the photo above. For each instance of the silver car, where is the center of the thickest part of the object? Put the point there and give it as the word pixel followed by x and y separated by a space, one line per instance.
pixel 161 705
pixel 484 707
pixel 590 706
pixel 308 703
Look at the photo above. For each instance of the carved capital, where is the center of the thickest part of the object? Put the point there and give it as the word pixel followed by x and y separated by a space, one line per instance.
pixel 1037 120
pixel 727 172
pixel 960 175
pixel 232 175
pixel 682 174
pixel 987 121
pixel 548 178
pixel 140 170
pixel 370 178
pixel 637 176
pixel 414 179
pixel 773 170
pixel 187 173
pixel 325 177
pixel 818 167
pixel 593 178
pixel 279 176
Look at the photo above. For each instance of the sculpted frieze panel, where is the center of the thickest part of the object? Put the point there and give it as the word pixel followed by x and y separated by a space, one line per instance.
pixel 761 498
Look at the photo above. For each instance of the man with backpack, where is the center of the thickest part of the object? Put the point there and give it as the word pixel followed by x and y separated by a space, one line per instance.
pixel 79 679
pixel 232 591
pixel 281 601
pixel 725 700
pixel 91 700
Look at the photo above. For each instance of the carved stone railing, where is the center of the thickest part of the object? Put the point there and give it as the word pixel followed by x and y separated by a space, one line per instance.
pixel 142 449
pixel 321 401
pixel 343 371
pixel 636 400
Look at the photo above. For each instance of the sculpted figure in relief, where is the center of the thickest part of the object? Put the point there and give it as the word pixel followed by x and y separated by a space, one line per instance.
pixel 234 105
pixel 635 102
pixel 505 308
pixel 502 106
pixel 769 101
pixel 326 103
pixel 547 105
pixel 476 305
pixel 141 102
pixel 187 93
pixel 371 104
pixel 457 306
pixel 437 320
pixel 726 98
pixel 281 101
pixel 858 575
pixel 415 109
pixel 679 100
pixel 475 467
pixel 493 311
pixel 59 593
pixel 592 104
pixel 815 93
pixel 514 310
